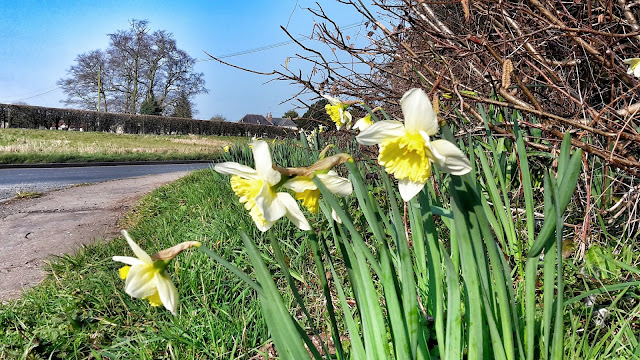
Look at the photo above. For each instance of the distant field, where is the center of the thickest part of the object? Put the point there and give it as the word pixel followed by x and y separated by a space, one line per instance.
pixel 19 146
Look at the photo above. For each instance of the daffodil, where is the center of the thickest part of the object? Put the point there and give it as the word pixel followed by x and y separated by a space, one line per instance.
pixel 146 278
pixel 634 66
pixel 257 189
pixel 312 135
pixel 363 123
pixel 226 148
pixel 338 112
pixel 305 189
pixel 407 152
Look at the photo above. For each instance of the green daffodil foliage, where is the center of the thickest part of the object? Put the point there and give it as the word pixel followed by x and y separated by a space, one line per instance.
pixel 393 284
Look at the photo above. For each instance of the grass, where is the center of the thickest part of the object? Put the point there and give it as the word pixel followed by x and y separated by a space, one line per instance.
pixel 21 146
pixel 28 195
pixel 81 311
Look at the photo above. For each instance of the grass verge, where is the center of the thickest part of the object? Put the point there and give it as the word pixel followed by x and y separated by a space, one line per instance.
pixel 22 146
pixel 81 311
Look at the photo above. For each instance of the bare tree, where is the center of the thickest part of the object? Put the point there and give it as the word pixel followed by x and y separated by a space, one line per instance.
pixel 138 65
pixel 89 82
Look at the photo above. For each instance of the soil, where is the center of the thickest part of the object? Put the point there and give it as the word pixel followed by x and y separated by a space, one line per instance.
pixel 61 221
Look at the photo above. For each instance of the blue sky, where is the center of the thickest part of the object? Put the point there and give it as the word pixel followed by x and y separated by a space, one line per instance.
pixel 41 39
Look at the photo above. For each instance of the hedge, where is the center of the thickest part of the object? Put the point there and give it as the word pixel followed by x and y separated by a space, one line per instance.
pixel 36 117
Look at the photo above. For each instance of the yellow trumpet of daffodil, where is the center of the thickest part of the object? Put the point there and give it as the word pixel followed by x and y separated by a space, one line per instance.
pixel 257 189
pixel 146 276
pixel 308 192
pixel 406 151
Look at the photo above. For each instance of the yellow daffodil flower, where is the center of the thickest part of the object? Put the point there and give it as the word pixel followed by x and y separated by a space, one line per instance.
pixel 634 66
pixel 226 148
pixel 406 150
pixel 363 123
pixel 308 192
pixel 257 190
pixel 312 135
pixel 338 112
pixel 147 279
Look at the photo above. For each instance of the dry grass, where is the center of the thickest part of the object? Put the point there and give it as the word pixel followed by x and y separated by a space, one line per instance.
pixel 21 145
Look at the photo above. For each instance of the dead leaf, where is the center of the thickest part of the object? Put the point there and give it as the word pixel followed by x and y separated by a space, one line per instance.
pixel 465 8
pixel 507 69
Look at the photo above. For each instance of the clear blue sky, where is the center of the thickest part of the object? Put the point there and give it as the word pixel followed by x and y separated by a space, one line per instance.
pixel 41 39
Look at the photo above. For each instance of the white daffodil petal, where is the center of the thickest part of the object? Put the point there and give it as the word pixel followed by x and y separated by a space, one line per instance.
pixel 418 112
pixel 168 292
pixel 139 282
pixel 268 203
pixel 137 250
pixel 335 217
pixel 347 119
pixel 300 184
pixel 408 189
pixel 128 260
pixel 265 226
pixel 264 164
pixel 381 131
pixel 233 168
pixel 634 66
pixel 331 99
pixel 293 211
pixel 336 184
pixel 438 157
pixel 455 162
pixel 363 123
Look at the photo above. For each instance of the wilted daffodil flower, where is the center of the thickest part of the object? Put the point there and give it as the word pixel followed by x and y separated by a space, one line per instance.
pixel 406 150
pixel 146 276
pixel 258 190
pixel 337 110
pixel 634 66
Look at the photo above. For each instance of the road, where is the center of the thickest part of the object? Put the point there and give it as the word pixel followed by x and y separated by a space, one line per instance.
pixel 59 222
pixel 13 181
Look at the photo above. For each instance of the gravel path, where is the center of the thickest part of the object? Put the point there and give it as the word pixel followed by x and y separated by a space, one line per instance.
pixel 59 222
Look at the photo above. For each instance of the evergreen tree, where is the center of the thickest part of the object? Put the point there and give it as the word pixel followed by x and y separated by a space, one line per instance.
pixel 314 116
pixel 150 106
pixel 291 114
pixel 182 108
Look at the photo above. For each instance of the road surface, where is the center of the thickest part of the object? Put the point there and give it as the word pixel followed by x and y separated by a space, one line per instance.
pixel 13 181
pixel 59 222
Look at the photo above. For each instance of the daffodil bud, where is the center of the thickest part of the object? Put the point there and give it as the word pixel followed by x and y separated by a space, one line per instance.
pixel 170 253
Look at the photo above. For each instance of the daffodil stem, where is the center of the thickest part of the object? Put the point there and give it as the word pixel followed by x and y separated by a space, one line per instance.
pixel 239 273
pixel 292 285
pixel 317 256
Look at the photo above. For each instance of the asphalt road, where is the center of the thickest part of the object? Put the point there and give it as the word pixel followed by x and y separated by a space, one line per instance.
pixel 13 181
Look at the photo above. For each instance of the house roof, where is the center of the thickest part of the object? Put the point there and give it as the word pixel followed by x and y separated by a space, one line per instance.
pixel 286 122
pixel 255 119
